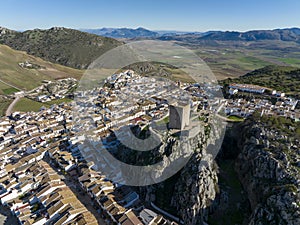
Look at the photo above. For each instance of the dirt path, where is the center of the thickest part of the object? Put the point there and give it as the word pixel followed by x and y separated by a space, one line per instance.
pixel 11 106
pixel 10 85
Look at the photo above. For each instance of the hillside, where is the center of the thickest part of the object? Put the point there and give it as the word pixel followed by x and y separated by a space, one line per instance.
pixel 156 69
pixel 11 73
pixel 64 46
pixel 280 78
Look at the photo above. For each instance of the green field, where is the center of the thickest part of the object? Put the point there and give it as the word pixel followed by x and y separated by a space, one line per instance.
pixel 235 119
pixel 8 91
pixel 291 61
pixel 28 105
pixel 3 106
pixel 227 60
pixel 231 62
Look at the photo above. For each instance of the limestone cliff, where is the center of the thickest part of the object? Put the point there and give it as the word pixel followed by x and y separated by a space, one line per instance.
pixel 268 167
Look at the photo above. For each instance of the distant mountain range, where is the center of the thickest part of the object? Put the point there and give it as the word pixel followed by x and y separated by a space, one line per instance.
pixel 288 34
pixel 123 32
pixel 78 49
pixel 65 46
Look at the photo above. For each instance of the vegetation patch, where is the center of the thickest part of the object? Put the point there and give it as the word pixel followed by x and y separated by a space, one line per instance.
pixel 28 105
pixel 235 119
pixel 9 91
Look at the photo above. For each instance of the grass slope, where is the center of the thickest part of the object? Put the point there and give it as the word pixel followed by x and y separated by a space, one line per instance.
pixel 27 79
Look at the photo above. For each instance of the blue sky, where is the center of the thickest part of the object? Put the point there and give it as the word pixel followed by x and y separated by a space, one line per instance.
pixel 185 15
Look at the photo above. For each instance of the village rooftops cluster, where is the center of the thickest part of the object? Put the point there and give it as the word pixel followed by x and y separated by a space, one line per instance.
pixel 127 99
pixel 51 90
pixel 37 149
pixel 248 88
pixel 243 107
pixel 36 194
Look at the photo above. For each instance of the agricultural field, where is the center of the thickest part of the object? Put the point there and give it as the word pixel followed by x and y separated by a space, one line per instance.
pixel 4 103
pixel 28 105
pixel 7 90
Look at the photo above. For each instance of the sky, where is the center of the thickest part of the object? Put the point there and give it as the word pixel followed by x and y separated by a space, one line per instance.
pixel 184 15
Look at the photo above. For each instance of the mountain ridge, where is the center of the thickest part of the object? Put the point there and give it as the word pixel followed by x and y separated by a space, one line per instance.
pixel 283 34
pixel 61 45
pixel 123 32
pixel 286 34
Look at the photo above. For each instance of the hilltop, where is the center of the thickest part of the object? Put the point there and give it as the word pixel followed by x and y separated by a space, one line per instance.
pixel 64 46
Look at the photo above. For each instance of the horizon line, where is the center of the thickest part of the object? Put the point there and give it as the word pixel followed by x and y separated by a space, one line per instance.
pixel 159 30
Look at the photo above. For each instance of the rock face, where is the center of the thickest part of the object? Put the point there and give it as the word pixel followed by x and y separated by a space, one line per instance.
pixel 195 190
pixel 268 169
pixel 195 186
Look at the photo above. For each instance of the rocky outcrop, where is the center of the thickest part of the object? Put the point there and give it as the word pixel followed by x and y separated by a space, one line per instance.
pixel 186 155
pixel 196 189
pixel 191 191
pixel 268 168
pixel 197 185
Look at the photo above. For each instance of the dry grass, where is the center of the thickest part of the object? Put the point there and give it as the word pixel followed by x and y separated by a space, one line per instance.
pixel 27 79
